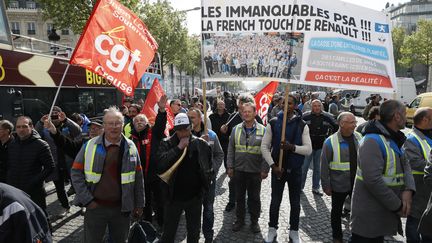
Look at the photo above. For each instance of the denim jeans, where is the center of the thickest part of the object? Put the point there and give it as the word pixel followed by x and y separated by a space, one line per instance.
pixel 412 235
pixel 250 183
pixel 208 212
pixel 315 157
pixel 360 239
pixel 98 219
pixel 293 178
pixel 173 211
pixel 338 199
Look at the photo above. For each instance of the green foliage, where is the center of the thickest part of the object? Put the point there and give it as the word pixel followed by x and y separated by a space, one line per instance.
pixel 164 23
pixel 417 48
pixel 190 58
pixel 167 27
pixel 74 14
pixel 398 37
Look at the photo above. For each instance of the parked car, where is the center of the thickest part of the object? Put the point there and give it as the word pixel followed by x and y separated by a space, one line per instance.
pixel 422 100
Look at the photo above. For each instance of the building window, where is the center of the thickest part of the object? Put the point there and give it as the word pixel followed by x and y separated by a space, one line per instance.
pixel 31 28
pixel 15 27
pixel 65 32
pixel 13 4
pixel 30 4
pixel 49 28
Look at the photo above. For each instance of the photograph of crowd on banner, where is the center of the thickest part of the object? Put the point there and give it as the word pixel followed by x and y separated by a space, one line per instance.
pixel 338 45
pixel 257 56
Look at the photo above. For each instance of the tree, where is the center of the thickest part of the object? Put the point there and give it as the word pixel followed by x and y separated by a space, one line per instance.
pixel 164 23
pixel 193 66
pixel 398 37
pixel 167 27
pixel 189 60
pixel 74 14
pixel 416 48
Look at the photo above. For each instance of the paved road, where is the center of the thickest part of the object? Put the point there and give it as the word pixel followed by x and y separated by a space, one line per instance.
pixel 314 217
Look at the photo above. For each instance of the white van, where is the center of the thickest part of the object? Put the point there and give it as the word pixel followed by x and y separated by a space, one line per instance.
pixel 406 92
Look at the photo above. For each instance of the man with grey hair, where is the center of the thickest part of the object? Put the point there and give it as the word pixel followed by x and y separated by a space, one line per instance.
pixel 147 138
pixel 417 148
pixel 6 128
pixel 338 168
pixel 384 183
pixel 108 180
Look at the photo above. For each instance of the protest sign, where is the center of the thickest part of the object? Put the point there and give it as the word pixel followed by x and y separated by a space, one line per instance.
pixel 332 43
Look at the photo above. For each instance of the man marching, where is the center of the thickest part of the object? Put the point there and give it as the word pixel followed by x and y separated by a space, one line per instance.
pixel 296 146
pixel 247 167
pixel 338 168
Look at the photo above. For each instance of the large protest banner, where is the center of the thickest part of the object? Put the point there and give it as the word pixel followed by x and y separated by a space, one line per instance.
pixel 333 43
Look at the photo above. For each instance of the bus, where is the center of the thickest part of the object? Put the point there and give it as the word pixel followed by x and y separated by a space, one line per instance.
pixel 29 80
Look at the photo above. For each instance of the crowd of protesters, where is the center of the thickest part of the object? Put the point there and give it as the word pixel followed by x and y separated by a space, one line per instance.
pixel 122 168
pixel 250 56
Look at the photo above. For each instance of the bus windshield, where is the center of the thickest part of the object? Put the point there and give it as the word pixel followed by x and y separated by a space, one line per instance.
pixel 4 28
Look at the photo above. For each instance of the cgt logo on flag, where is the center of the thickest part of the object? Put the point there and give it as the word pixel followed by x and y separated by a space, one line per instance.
pixel 263 100
pixel 382 28
pixel 115 45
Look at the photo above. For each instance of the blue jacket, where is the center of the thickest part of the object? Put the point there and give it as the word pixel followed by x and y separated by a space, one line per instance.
pixel 293 135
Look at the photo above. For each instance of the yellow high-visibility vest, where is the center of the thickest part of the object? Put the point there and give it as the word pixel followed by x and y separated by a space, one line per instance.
pixel 336 163
pixel 89 157
pixel 426 149
pixel 250 149
pixel 390 177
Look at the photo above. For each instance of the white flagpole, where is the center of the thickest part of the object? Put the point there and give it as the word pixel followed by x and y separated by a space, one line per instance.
pixel 58 90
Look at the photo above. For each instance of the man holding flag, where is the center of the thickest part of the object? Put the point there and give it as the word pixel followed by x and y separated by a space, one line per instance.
pixel 116 45
pixel 297 145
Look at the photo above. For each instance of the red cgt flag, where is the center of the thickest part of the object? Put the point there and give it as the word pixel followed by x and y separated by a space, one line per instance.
pixel 116 45
pixel 150 106
pixel 263 99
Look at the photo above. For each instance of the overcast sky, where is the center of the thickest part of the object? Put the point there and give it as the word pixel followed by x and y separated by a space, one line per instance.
pixel 194 17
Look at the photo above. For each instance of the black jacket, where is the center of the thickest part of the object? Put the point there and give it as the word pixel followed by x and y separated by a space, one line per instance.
pixel 68 128
pixel 3 159
pixel 25 221
pixel 217 121
pixel 29 163
pixel 198 151
pixel 141 139
pixel 68 145
pixel 320 127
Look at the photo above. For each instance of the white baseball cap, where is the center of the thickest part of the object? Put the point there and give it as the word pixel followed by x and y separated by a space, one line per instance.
pixel 181 121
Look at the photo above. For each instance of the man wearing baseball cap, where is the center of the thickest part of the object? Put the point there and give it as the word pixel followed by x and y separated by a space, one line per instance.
pixel 190 175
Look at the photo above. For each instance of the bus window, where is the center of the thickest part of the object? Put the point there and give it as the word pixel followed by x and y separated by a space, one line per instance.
pixel 35 109
pixel 103 100
pixel 86 102
pixel 4 27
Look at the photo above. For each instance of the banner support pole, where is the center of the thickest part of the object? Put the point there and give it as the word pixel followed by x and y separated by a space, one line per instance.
pixel 203 82
pixel 205 106
pixel 281 152
pixel 58 90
